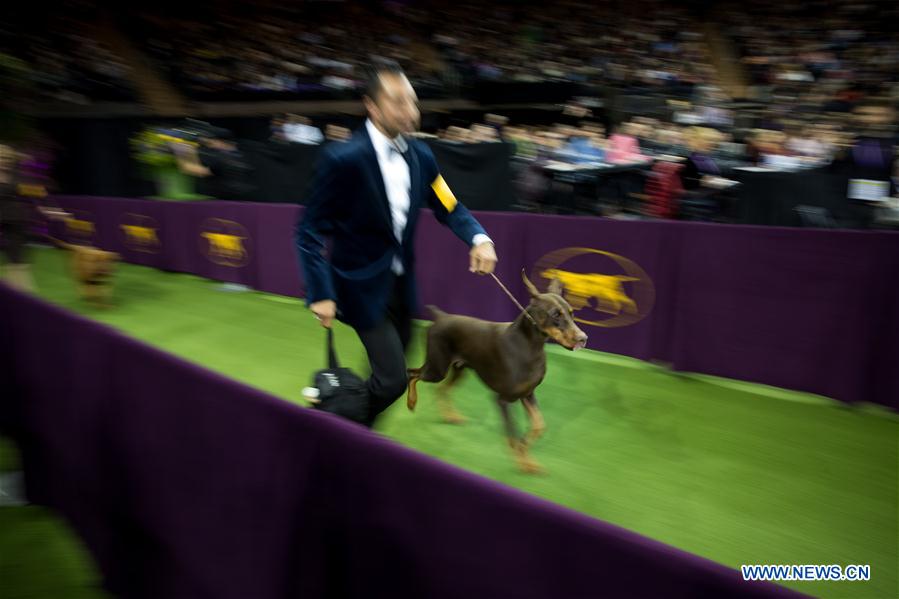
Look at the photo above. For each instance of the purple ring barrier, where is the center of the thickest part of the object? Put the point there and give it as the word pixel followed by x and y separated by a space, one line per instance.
pixel 810 310
pixel 186 484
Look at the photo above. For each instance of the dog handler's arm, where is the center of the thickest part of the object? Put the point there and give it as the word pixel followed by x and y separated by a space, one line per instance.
pixel 320 206
pixel 450 212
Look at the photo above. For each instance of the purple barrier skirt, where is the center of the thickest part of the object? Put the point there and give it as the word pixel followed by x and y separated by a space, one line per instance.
pixel 186 484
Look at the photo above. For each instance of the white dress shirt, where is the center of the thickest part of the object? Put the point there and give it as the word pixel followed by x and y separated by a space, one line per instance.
pixel 397 183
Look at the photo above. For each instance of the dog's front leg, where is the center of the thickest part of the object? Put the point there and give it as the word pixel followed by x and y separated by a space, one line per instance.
pixel 518 445
pixel 538 424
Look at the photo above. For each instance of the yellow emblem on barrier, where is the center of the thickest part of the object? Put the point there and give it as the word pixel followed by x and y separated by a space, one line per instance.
pixel 145 235
pixel 80 227
pixel 32 190
pixel 225 242
pixel 621 296
pixel 228 246
pixel 140 233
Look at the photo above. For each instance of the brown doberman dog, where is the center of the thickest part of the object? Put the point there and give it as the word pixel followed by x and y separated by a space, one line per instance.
pixel 508 357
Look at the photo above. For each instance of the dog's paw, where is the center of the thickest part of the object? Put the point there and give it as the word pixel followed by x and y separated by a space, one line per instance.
pixel 529 466
pixel 526 463
pixel 454 417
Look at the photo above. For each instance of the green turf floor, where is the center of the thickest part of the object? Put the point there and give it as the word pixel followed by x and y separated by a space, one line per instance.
pixel 738 473
pixel 41 559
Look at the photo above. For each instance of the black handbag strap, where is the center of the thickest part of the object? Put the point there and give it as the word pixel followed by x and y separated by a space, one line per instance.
pixel 332 355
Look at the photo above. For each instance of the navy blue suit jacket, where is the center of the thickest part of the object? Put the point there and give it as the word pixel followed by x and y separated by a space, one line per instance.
pixel 348 203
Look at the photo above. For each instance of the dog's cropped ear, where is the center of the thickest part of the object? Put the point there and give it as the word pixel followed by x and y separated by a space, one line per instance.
pixel 555 286
pixel 530 286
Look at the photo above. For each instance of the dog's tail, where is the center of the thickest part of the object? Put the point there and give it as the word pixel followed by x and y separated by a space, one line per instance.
pixel 436 312
pixel 412 396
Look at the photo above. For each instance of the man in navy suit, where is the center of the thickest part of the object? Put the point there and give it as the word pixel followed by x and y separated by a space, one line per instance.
pixel 366 195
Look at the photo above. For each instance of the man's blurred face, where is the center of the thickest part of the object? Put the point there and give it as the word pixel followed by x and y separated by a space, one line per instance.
pixel 395 108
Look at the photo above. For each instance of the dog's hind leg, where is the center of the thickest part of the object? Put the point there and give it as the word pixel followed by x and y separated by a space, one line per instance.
pixel 538 424
pixel 412 393
pixel 518 445
pixel 433 371
pixel 447 409
pixel 427 373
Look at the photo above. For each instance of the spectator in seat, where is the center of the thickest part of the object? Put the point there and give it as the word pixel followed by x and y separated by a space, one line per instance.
pixel 299 129
pixel 580 150
pixel 699 165
pixel 624 147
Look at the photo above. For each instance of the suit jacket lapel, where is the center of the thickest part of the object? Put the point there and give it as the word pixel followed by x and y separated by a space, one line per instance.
pixel 371 164
pixel 414 192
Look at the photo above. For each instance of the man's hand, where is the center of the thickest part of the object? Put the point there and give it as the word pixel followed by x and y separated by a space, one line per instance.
pixel 483 258
pixel 324 311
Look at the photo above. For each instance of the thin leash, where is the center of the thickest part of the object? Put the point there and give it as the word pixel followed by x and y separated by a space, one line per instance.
pixel 512 297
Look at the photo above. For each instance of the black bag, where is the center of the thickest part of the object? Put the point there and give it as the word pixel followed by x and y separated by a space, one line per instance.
pixel 341 391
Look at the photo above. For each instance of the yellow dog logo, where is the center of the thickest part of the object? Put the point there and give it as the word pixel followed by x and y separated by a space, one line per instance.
pixel 229 246
pixel 145 235
pixel 140 233
pixel 607 290
pixel 80 227
pixel 225 242
pixel 604 289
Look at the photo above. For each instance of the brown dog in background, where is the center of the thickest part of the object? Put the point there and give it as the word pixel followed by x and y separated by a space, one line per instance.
pixel 508 357
pixel 93 270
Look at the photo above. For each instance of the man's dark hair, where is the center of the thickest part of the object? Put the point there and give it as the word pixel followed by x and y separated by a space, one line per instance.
pixel 373 71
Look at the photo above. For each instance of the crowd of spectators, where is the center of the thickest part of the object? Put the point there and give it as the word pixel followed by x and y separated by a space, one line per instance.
pixel 445 47
pixel 818 56
pixel 58 56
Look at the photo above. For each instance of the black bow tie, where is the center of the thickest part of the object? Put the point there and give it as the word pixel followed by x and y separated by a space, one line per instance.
pixel 403 154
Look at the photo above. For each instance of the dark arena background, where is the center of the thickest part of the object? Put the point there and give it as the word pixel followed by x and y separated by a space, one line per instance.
pixel 713 186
